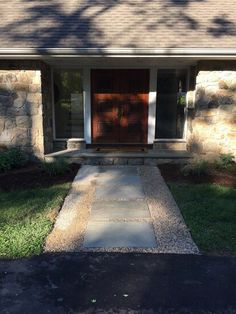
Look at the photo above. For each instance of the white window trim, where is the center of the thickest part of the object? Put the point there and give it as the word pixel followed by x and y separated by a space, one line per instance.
pixel 87 105
pixel 87 101
pixel 152 105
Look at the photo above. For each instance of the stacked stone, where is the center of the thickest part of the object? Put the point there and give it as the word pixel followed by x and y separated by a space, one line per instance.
pixel 21 122
pixel 213 127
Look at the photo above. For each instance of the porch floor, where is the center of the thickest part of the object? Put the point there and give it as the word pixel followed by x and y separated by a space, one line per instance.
pixel 151 157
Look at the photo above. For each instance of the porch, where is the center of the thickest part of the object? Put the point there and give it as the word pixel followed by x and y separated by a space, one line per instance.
pixel 148 157
pixel 175 103
pixel 121 101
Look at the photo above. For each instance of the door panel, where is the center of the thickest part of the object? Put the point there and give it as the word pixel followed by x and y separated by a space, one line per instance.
pixel 105 118
pixel 120 106
pixel 134 119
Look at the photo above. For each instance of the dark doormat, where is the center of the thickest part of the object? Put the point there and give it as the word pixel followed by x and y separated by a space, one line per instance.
pixel 121 149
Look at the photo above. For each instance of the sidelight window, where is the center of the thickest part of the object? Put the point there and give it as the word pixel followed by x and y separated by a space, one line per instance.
pixel 171 103
pixel 68 104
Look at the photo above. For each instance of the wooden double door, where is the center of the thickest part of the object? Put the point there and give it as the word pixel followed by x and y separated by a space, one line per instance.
pixel 120 106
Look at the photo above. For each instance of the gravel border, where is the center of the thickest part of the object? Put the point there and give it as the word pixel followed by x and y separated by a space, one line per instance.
pixel 172 234
pixel 69 229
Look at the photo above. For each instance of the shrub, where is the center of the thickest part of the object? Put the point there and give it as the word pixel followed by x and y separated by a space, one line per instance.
pixel 17 157
pixel 4 162
pixel 197 167
pixel 12 158
pixel 55 168
pixel 225 161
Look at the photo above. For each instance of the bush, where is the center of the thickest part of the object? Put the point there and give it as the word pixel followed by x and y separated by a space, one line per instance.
pixel 17 158
pixel 197 167
pixel 12 158
pixel 55 168
pixel 225 161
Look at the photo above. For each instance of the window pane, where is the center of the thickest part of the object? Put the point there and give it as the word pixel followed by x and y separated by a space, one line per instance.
pixel 171 102
pixel 68 102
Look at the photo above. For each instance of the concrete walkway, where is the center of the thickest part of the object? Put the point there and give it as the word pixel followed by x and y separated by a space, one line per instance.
pixel 119 215
pixel 120 208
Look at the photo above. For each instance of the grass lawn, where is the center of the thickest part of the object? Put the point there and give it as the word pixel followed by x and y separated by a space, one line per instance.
pixel 26 218
pixel 209 211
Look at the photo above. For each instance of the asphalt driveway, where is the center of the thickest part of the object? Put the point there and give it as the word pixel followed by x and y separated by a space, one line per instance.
pixel 118 283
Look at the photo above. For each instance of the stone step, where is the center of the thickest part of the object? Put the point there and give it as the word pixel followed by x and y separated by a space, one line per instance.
pixel 152 158
pixel 170 145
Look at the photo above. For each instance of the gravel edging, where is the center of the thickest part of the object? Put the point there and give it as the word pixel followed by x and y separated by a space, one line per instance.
pixel 171 232
pixel 70 226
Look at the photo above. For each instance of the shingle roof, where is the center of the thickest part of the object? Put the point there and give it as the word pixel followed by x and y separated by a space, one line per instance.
pixel 118 23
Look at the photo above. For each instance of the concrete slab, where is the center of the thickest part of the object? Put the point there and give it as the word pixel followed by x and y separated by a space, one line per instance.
pixel 109 234
pixel 120 192
pixel 86 175
pixel 119 180
pixel 118 170
pixel 107 210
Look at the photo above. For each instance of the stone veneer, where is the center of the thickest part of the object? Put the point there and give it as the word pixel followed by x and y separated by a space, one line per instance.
pixel 212 126
pixel 24 108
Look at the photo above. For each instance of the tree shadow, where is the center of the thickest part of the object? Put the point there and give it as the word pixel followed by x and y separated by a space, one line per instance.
pixel 102 24
pixel 222 26
pixel 20 106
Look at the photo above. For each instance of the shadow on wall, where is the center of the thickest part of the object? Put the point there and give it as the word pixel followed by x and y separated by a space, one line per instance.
pixel 60 24
pixel 17 119
pixel 212 122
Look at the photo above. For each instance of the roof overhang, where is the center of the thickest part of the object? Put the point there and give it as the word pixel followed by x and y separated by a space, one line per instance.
pixel 117 52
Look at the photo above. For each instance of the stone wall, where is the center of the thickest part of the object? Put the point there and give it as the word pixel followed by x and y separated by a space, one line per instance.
pixel 22 110
pixel 212 124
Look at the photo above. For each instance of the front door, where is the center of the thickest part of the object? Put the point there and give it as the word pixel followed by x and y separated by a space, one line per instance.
pixel 120 106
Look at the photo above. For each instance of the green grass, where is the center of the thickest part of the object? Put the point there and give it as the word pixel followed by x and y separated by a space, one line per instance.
pixel 210 212
pixel 26 218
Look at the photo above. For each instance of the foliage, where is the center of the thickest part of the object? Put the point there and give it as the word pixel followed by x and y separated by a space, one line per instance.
pixel 26 218
pixel 12 158
pixel 225 161
pixel 57 167
pixel 198 167
pixel 209 212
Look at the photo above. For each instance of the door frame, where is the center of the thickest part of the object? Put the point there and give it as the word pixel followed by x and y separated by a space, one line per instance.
pixel 87 101
pixel 151 101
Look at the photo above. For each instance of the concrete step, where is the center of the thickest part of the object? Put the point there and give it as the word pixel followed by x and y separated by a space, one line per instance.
pixel 170 145
pixel 151 158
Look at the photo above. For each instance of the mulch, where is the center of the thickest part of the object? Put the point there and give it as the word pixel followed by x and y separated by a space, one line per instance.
pixel 33 176
pixel 172 172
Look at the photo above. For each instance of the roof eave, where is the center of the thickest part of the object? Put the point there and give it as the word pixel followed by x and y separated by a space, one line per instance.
pixel 153 52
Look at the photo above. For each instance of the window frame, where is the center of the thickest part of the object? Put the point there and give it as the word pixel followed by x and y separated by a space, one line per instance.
pixel 184 138
pixel 55 138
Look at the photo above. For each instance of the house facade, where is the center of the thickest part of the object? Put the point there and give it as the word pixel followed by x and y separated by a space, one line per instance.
pixel 96 73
